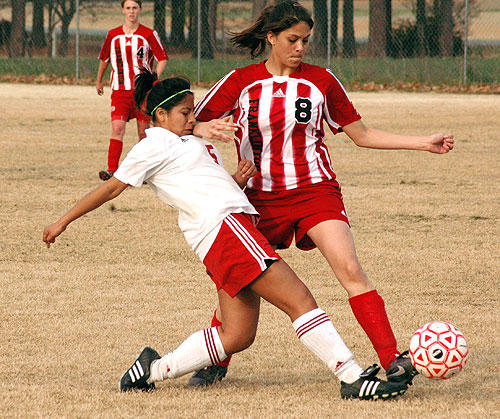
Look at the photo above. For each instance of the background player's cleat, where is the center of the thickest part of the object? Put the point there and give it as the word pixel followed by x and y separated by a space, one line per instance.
pixel 207 376
pixel 401 370
pixel 369 387
pixel 137 375
pixel 105 174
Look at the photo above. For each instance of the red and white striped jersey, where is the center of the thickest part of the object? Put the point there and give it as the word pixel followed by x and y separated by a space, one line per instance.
pixel 127 53
pixel 280 121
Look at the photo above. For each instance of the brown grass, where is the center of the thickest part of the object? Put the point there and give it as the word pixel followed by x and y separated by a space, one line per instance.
pixel 75 316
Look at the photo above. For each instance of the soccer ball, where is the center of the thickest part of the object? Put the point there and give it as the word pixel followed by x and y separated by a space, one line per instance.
pixel 438 350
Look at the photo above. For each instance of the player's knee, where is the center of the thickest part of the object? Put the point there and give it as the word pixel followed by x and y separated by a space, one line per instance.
pixel 353 272
pixel 238 342
pixel 304 303
pixel 118 132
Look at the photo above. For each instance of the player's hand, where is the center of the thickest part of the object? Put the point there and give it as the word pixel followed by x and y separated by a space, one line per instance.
pixel 441 143
pixel 99 88
pixel 246 169
pixel 216 129
pixel 51 232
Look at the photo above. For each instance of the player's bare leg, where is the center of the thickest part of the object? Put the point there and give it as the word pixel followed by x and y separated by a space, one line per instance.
pixel 141 129
pixel 367 305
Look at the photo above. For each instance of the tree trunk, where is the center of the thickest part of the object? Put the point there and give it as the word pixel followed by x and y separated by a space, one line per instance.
pixel 193 26
pixel 335 26
pixel 17 42
pixel 207 48
pixel 349 42
pixel 257 7
pixel 159 19
pixel 212 22
pixel 388 28
pixel 320 44
pixel 38 33
pixel 421 43
pixel 377 41
pixel 446 37
pixel 63 51
pixel 177 38
pixel 66 11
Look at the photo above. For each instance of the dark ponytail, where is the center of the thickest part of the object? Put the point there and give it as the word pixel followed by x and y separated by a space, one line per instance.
pixel 150 93
pixel 274 18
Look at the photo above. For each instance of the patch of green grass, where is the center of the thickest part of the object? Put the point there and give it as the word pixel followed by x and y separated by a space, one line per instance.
pixel 429 71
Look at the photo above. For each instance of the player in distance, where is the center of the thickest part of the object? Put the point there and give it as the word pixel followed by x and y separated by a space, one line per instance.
pixel 127 48
pixel 218 222
pixel 279 107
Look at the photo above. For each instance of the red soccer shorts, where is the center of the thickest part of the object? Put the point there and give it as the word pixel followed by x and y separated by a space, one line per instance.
pixel 123 107
pixel 296 211
pixel 238 255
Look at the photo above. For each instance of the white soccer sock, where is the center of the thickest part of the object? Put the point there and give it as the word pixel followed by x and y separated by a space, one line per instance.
pixel 317 332
pixel 201 349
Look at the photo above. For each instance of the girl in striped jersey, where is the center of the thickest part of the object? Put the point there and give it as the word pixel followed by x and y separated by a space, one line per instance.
pixel 217 221
pixel 279 107
pixel 127 48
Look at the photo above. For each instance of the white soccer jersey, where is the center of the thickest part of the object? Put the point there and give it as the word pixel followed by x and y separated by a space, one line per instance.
pixel 186 173
pixel 280 121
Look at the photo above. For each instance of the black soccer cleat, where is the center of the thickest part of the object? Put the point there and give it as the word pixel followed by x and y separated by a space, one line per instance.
pixel 401 370
pixel 207 376
pixel 105 174
pixel 137 375
pixel 369 387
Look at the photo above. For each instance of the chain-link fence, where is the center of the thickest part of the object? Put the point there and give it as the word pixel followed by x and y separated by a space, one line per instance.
pixel 384 41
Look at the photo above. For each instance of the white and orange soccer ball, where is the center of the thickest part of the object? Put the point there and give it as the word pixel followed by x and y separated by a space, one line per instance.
pixel 438 350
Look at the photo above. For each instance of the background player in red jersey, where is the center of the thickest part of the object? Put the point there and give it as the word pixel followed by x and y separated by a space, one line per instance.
pixel 278 107
pixel 128 48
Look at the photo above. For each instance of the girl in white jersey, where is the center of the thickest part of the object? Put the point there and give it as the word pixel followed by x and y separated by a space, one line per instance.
pixel 217 221
pixel 279 107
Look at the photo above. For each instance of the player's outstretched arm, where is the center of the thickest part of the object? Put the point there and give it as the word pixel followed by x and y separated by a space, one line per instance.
pixel 246 170
pixel 363 136
pixel 216 129
pixel 107 191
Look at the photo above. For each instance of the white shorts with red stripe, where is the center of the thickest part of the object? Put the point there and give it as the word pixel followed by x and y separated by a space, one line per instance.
pixel 239 254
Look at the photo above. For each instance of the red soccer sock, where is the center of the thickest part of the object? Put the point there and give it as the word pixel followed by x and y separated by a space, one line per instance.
pixel 216 323
pixel 369 310
pixel 114 153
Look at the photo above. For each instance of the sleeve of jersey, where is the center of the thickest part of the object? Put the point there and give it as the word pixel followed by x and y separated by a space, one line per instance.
pixel 157 47
pixel 221 100
pixel 105 50
pixel 141 162
pixel 338 108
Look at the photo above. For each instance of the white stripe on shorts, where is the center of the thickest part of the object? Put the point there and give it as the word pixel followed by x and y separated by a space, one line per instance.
pixel 248 241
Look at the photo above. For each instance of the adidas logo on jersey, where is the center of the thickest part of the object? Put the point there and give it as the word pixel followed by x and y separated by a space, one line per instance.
pixel 278 93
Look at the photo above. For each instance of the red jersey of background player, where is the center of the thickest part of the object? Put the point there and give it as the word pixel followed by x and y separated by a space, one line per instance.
pixel 280 121
pixel 127 53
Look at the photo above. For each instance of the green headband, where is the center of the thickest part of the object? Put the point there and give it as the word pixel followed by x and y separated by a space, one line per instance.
pixel 168 98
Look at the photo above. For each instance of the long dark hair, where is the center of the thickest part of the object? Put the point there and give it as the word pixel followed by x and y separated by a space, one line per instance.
pixel 150 93
pixel 274 18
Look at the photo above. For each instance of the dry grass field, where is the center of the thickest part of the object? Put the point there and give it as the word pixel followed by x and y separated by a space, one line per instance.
pixel 73 317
